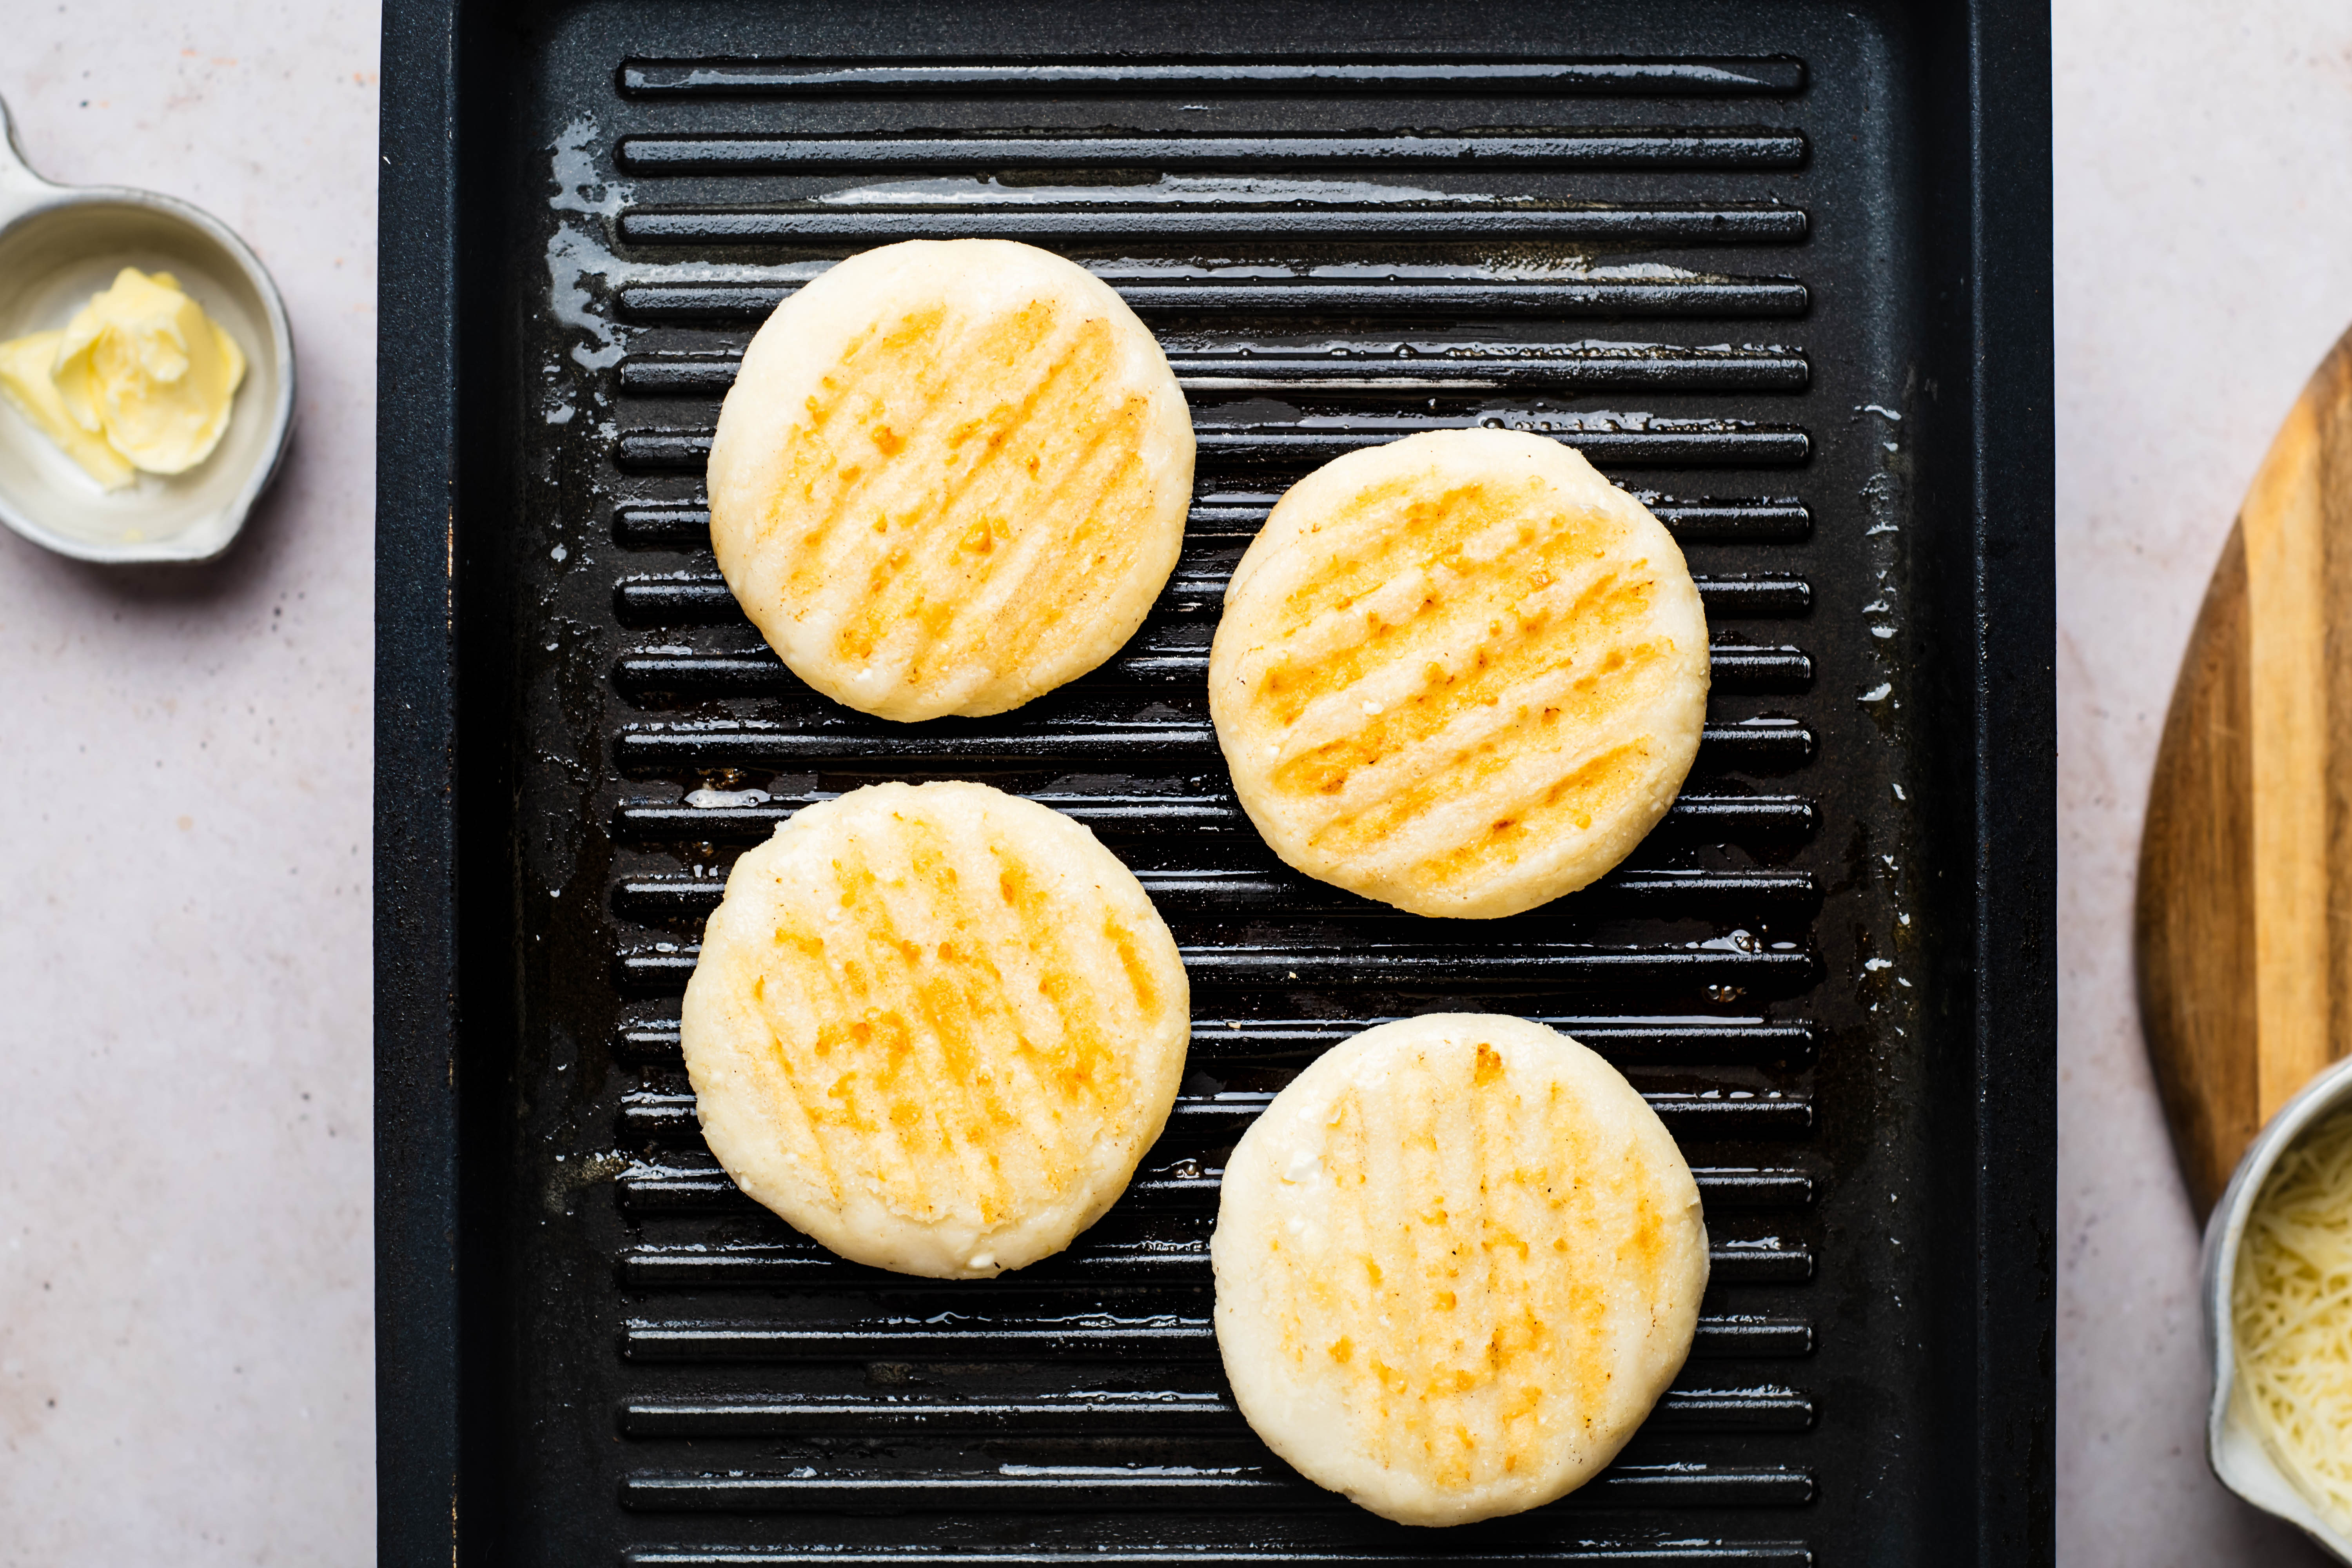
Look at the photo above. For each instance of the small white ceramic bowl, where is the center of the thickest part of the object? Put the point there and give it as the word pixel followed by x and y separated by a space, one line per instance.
pixel 59 245
pixel 2231 1445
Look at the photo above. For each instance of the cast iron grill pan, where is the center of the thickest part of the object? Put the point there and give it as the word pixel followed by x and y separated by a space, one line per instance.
pixel 1667 259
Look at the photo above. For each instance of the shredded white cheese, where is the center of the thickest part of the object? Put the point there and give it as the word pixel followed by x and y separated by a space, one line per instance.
pixel 2291 1311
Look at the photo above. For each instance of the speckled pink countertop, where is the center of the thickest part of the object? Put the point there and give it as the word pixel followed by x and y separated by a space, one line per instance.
pixel 186 1342
pixel 186 1348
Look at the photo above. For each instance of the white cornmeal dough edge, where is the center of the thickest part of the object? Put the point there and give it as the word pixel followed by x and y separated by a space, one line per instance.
pixel 1305 1420
pixel 1286 550
pixel 803 339
pixel 720 1028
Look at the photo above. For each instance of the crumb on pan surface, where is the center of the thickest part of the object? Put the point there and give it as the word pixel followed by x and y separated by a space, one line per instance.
pixel 949 477
pixel 935 1027
pixel 1462 673
pixel 1458 1260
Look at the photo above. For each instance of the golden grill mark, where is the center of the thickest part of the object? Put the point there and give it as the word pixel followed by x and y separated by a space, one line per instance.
pixel 1501 663
pixel 1446 769
pixel 1583 791
pixel 950 995
pixel 981 621
pixel 1081 1071
pixel 810 457
pixel 892 1061
pixel 1522 1350
pixel 1395 528
pixel 1062 571
pixel 1083 1063
pixel 1574 799
pixel 907 490
pixel 1451 1375
pixel 1025 339
pixel 898 390
pixel 1480 1085
pixel 790 1097
pixel 1131 960
pixel 1456 629
pixel 1414 1267
pixel 928 1087
pixel 891 1114
pixel 1026 1064
pixel 1111 460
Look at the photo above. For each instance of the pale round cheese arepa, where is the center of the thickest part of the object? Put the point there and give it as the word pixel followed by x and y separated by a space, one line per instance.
pixel 1458 1260
pixel 950 476
pixel 935 1027
pixel 1461 673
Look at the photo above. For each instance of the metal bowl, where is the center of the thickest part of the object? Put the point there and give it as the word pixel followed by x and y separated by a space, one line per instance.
pixel 2231 1443
pixel 59 245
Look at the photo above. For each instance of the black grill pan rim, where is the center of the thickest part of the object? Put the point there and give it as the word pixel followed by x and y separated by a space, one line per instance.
pixel 1986 166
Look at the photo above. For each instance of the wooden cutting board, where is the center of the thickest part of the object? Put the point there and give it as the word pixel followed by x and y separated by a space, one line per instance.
pixel 2243 931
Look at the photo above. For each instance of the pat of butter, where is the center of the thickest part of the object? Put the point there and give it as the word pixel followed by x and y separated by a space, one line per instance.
pixel 141 370
pixel 25 366
pixel 145 363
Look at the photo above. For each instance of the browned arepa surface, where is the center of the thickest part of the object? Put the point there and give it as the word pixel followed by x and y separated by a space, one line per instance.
pixel 1458 1260
pixel 950 476
pixel 935 1027
pixel 1461 673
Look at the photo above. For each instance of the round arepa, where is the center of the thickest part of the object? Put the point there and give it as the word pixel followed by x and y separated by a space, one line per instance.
pixel 935 1027
pixel 1458 1260
pixel 1461 673
pixel 950 476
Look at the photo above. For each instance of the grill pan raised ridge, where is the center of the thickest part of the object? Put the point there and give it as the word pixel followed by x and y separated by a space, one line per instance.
pixel 1783 271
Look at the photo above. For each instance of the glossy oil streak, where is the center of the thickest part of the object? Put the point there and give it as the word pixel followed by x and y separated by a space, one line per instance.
pixel 1100 224
pixel 1201 74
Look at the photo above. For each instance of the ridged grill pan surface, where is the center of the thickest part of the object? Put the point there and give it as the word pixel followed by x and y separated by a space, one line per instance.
pixel 1702 243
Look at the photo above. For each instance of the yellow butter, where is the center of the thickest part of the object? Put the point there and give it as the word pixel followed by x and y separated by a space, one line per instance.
pixel 25 366
pixel 143 363
pixel 141 378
